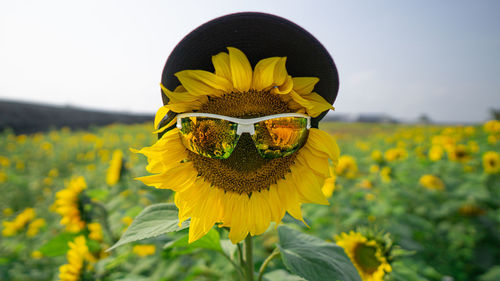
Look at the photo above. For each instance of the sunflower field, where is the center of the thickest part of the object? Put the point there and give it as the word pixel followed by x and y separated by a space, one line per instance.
pixel 407 202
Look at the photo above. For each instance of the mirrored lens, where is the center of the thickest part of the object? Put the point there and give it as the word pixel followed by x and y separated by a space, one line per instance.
pixel 209 137
pixel 279 137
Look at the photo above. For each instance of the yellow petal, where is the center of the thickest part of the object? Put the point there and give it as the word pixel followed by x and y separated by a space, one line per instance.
pixel 289 196
pixel 328 187
pixel 180 95
pixel 319 104
pixel 276 206
pixel 168 125
pixel 221 65
pixel 160 114
pixel 240 223
pixel 241 71
pixel 308 185
pixel 285 88
pixel 263 76
pixel 313 103
pixel 184 107
pixel 174 179
pixel 260 216
pixel 195 229
pixel 304 85
pixel 323 142
pixel 204 83
pixel 280 73
pixel 317 164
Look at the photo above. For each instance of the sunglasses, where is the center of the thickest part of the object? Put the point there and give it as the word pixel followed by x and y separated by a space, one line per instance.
pixel 216 136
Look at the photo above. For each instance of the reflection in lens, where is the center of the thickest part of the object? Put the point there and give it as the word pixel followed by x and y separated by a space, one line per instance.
pixel 279 137
pixel 209 137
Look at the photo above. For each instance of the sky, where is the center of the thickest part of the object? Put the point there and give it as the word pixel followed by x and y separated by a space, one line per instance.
pixel 401 58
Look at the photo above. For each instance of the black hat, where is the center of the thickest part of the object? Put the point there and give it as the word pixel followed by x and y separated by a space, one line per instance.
pixel 258 36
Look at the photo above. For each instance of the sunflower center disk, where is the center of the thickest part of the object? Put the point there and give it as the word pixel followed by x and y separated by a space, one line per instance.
pixel 245 171
pixel 365 257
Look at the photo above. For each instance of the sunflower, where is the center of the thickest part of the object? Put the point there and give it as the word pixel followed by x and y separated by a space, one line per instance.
pixel 431 182
pixel 79 259
pixel 395 154
pixel 329 185
pixel 436 153
pixel 244 192
pixel 95 231
pixel 492 126
pixel 115 168
pixel 144 250
pixel 458 153
pixel 377 156
pixel 34 227
pixel 386 173
pixel 491 162
pixel 12 227
pixel 347 167
pixel 69 205
pixel 367 255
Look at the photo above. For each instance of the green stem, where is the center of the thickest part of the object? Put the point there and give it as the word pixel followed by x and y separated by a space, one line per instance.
pixel 249 257
pixel 240 255
pixel 104 220
pixel 274 254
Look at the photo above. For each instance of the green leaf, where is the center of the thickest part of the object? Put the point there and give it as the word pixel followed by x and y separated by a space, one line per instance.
pixel 153 221
pixel 98 194
pixel 313 258
pixel 228 247
pixel 210 241
pixel 491 275
pixel 281 275
pixel 58 246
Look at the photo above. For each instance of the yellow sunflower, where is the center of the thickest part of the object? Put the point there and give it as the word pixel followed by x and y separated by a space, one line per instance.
pixel 366 255
pixel 491 162
pixel 458 153
pixel 244 192
pixel 115 168
pixel 69 205
pixel 395 154
pixel 79 259
pixel 436 153
pixel 347 167
pixel 492 126
pixel 12 227
pixel 431 182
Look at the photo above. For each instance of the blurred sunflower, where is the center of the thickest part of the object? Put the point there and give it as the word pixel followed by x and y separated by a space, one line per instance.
pixel 245 192
pixel 79 261
pixel 34 227
pixel 115 168
pixel 386 173
pixel 329 185
pixel 368 256
pixel 436 153
pixel 431 182
pixel 347 167
pixel 492 126
pixel 458 153
pixel 395 154
pixel 10 228
pixel 69 205
pixel 377 156
pixel 144 250
pixel 491 162
pixel 95 231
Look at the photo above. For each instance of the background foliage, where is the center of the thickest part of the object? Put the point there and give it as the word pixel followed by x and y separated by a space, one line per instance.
pixel 451 231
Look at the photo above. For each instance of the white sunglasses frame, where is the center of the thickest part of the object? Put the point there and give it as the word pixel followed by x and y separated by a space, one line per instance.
pixel 244 125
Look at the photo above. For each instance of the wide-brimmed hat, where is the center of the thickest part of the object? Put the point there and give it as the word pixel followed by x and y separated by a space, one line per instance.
pixel 259 36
